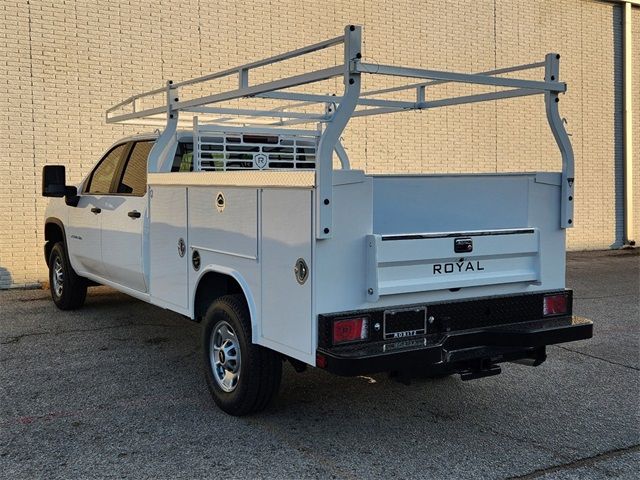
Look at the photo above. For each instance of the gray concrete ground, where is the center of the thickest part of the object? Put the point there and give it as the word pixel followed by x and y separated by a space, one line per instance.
pixel 116 390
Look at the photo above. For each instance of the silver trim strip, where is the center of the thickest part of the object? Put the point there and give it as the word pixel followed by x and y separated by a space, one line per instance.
pixel 246 178
pixel 223 252
pixel 417 236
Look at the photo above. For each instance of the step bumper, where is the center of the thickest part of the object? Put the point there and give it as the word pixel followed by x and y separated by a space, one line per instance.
pixel 453 351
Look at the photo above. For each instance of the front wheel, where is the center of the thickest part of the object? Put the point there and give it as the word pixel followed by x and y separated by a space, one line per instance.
pixel 68 290
pixel 242 377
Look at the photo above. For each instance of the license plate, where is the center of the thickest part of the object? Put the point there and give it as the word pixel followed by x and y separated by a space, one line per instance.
pixel 408 322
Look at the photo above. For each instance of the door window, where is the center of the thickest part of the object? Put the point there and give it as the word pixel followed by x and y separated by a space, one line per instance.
pixel 134 177
pixel 102 176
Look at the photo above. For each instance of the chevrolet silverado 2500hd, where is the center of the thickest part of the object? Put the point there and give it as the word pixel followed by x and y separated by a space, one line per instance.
pixel 237 217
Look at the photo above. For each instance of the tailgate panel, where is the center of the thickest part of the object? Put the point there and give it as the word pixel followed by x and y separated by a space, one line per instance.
pixel 409 263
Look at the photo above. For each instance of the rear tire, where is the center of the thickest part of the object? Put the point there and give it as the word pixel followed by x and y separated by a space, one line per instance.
pixel 68 290
pixel 243 377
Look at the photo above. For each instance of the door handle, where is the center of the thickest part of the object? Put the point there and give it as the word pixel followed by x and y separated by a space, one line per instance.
pixel 96 210
pixel 134 214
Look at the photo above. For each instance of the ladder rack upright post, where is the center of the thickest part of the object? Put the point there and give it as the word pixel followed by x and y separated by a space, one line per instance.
pixel 334 128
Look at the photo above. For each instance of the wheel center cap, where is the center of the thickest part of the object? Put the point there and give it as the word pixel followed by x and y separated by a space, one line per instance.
pixel 221 356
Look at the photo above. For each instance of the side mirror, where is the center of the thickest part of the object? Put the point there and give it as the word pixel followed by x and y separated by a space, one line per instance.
pixel 71 198
pixel 54 181
pixel 54 184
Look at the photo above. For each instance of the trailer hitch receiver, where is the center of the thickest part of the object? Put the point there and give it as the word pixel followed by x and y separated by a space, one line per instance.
pixel 485 368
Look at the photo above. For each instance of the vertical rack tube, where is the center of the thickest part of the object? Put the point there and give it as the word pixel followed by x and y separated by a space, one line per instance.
pixel 331 134
pixel 158 157
pixel 551 100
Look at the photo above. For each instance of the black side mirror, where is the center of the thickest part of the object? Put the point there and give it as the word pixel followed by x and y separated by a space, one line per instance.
pixel 54 184
pixel 71 198
pixel 54 181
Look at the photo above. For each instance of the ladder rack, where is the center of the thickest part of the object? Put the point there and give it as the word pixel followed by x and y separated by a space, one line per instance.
pixel 337 110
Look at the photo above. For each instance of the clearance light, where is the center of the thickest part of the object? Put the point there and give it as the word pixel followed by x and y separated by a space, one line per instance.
pixel 555 304
pixel 321 361
pixel 350 330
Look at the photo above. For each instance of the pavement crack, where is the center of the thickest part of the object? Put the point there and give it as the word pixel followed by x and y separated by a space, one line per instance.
pixel 528 442
pixel 606 296
pixel 598 358
pixel 17 338
pixel 575 464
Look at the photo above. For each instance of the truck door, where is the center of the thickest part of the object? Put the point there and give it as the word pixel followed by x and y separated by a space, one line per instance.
pixel 85 220
pixel 123 221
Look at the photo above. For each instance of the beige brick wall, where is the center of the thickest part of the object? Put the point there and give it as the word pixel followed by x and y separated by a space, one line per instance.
pixel 62 63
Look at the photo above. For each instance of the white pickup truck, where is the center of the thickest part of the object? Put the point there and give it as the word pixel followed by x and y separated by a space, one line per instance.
pixel 238 218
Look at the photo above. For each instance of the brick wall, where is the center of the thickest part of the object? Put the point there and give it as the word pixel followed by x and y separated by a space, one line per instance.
pixel 62 63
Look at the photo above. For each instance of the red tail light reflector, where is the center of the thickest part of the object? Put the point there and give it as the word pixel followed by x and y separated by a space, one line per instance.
pixel 350 330
pixel 321 361
pixel 555 304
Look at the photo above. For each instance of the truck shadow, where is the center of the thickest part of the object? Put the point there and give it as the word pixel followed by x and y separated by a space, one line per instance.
pixel 315 396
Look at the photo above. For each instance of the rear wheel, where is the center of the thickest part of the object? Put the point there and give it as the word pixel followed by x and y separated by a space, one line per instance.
pixel 68 290
pixel 242 377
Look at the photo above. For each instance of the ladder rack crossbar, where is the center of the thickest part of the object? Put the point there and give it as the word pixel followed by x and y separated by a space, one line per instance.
pixel 263 63
pixel 392 70
pixel 432 83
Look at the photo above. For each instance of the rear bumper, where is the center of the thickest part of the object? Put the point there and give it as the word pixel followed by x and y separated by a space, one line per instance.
pixel 457 351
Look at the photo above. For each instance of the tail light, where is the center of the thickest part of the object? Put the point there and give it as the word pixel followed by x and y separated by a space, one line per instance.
pixel 350 330
pixel 555 305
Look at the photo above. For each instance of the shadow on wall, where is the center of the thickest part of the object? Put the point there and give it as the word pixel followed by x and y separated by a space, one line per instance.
pixel 618 128
pixel 5 278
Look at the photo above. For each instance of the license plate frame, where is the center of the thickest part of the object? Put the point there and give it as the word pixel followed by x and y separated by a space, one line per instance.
pixel 413 318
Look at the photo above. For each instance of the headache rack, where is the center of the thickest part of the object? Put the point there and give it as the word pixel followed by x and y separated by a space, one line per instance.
pixel 216 148
pixel 229 138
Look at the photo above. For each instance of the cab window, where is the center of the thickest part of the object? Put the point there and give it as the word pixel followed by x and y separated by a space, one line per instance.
pixel 183 159
pixel 134 177
pixel 103 175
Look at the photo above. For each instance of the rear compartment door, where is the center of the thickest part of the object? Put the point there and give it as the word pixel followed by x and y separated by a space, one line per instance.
pixel 286 300
pixel 426 262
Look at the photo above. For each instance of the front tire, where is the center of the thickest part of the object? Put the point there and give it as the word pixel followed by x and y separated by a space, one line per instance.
pixel 68 290
pixel 242 377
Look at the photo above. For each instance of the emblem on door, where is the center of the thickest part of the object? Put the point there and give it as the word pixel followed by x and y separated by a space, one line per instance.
pixel 182 248
pixel 220 202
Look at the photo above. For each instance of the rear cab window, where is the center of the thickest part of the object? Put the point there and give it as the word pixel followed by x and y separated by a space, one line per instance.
pixel 134 176
pixel 183 159
pixel 102 177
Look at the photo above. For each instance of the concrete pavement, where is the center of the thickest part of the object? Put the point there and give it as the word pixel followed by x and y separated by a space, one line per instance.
pixel 116 390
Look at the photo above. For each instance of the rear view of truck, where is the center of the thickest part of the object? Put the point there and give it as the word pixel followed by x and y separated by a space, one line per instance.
pixel 457 274
pixel 284 257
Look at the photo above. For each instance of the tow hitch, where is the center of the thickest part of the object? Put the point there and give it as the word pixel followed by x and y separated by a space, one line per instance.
pixel 484 368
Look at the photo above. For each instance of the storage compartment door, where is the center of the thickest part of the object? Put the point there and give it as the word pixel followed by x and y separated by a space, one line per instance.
pixel 168 262
pixel 286 302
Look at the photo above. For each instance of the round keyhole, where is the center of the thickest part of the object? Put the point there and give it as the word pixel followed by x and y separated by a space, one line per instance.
pixel 301 271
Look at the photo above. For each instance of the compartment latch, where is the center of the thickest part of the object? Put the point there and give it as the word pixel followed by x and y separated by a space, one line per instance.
pixel 463 245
